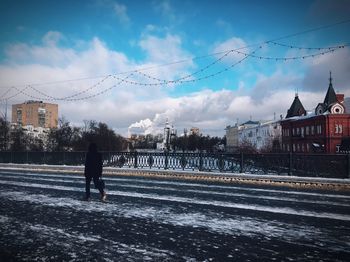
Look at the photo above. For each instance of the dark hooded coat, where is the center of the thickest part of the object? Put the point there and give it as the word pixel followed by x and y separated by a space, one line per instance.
pixel 93 162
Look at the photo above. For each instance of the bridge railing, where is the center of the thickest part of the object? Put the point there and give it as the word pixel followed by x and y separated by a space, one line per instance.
pixel 308 165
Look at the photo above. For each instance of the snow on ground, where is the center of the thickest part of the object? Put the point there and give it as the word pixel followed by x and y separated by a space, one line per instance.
pixel 302 218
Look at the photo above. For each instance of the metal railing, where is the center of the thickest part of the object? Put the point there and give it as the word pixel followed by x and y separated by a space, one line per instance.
pixel 307 165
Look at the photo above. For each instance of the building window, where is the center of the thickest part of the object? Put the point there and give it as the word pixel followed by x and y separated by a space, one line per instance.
pixel 307 130
pixel 312 130
pixel 319 129
pixel 19 116
pixel 293 147
pixel 302 131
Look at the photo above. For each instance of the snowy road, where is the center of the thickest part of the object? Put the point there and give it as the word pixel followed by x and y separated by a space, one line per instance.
pixel 43 218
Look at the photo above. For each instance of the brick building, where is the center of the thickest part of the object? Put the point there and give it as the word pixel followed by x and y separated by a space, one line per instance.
pixel 36 114
pixel 321 131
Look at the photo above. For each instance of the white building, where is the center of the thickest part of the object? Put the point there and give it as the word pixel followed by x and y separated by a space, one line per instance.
pixel 258 134
pixel 36 132
pixel 231 138
pixel 261 135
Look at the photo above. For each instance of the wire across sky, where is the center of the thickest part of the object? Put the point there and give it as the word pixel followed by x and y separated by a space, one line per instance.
pixel 139 77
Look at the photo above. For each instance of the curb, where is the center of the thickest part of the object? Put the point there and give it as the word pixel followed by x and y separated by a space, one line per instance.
pixel 247 179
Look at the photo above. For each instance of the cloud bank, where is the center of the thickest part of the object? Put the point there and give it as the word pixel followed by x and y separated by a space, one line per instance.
pixel 144 109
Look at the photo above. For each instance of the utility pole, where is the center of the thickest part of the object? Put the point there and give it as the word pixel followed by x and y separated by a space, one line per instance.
pixel 6 127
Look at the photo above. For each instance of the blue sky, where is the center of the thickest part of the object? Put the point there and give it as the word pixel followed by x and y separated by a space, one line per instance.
pixel 45 43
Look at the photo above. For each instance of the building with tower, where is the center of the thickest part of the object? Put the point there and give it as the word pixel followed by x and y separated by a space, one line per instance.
pixel 320 131
pixel 168 137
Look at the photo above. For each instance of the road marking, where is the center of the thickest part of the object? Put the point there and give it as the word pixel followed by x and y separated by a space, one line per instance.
pixel 260 208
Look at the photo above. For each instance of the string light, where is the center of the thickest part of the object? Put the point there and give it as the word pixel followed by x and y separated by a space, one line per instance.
pixel 71 96
pixel 308 48
pixel 6 92
pixel 18 93
pixel 160 81
pixel 252 54
pixel 74 97
pixel 184 79
pixel 294 57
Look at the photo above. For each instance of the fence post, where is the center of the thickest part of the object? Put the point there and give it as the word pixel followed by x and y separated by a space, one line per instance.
pixel 135 159
pixel 183 160
pixel 290 172
pixel 200 162
pixel 348 156
pixel 166 160
pixel 241 163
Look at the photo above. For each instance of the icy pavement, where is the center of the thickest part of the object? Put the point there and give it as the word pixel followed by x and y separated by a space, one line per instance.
pixel 43 218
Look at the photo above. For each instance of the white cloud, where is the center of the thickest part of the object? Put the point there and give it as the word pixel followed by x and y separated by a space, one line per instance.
pixel 165 8
pixel 266 86
pixel 48 53
pixel 158 48
pixel 120 106
pixel 231 44
pixel 121 12
pixel 271 96
pixel 212 111
pixel 163 51
pixel 317 72
pixel 223 25
pixel 149 107
pixel 52 38
pixel 143 126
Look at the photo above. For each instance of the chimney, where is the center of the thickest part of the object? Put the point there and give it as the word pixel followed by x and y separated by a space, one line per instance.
pixel 340 98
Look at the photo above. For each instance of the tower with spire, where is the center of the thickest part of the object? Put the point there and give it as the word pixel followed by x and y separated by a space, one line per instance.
pixel 297 108
pixel 331 103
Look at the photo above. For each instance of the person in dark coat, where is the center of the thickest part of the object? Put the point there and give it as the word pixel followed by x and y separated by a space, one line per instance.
pixel 93 171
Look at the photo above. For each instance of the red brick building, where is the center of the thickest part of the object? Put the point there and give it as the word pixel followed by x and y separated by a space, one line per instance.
pixel 321 131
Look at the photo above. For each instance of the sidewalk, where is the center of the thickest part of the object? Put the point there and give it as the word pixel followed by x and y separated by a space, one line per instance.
pixel 234 178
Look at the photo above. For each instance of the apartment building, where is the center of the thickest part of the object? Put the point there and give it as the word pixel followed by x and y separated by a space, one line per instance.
pixel 35 114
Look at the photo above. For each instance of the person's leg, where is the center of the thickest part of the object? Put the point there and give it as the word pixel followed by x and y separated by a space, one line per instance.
pixel 100 187
pixel 98 184
pixel 87 187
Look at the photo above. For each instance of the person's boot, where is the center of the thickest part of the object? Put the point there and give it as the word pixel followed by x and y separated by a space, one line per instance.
pixel 103 196
pixel 88 199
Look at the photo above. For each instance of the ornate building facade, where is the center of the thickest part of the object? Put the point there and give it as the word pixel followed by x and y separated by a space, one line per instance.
pixel 321 131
